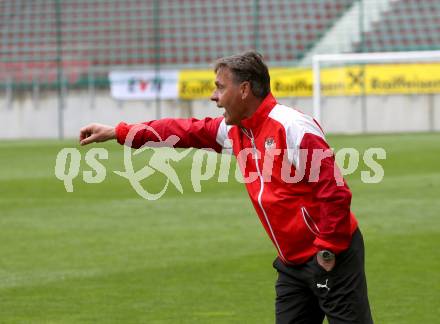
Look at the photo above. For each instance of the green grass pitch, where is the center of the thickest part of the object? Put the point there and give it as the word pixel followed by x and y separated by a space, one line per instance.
pixel 102 254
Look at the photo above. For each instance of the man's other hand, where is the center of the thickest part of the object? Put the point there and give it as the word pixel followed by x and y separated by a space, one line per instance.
pixel 326 265
pixel 96 133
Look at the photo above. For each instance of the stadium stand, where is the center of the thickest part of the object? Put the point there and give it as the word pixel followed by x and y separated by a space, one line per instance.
pixel 409 25
pixel 102 35
pixel 145 32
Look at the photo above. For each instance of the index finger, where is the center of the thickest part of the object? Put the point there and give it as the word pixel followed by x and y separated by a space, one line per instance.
pixel 84 132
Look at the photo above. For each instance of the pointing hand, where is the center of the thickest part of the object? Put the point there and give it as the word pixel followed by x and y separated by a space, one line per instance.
pixel 96 133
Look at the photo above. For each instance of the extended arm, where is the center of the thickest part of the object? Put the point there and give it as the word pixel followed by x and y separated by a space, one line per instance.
pixel 191 132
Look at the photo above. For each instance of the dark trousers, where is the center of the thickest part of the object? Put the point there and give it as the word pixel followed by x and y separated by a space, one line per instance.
pixel 306 293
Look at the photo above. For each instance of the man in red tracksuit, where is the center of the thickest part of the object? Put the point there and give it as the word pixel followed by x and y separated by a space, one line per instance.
pixel 293 183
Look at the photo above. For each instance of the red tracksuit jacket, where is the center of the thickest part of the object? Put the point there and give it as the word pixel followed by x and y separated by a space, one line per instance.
pixel 302 215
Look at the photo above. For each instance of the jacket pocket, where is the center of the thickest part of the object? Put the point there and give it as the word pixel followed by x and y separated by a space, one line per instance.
pixel 310 223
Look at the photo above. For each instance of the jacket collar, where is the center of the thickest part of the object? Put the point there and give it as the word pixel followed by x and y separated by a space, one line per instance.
pixel 260 115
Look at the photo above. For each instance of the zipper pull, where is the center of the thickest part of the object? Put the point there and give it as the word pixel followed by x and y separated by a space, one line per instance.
pixel 252 139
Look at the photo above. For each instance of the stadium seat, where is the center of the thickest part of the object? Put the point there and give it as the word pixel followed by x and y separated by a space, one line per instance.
pixel 408 25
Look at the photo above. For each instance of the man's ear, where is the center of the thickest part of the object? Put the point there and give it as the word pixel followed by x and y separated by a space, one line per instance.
pixel 245 89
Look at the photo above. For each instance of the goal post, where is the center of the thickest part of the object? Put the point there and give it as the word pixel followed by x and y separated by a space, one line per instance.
pixel 325 60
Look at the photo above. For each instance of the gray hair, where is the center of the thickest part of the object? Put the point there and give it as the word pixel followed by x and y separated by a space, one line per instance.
pixel 248 66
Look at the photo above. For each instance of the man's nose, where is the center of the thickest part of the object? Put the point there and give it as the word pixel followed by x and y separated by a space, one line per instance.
pixel 214 96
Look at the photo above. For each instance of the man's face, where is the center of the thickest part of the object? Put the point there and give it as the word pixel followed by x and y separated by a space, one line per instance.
pixel 229 95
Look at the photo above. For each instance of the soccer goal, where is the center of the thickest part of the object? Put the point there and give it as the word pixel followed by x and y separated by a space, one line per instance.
pixel 377 92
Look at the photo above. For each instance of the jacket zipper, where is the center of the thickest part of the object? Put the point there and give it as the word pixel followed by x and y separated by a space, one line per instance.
pixel 260 194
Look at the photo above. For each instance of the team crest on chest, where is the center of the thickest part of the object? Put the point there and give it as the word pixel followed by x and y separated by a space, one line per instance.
pixel 269 143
